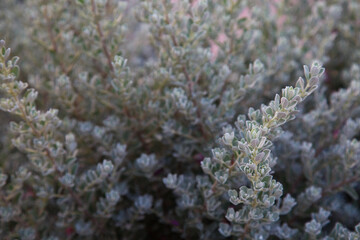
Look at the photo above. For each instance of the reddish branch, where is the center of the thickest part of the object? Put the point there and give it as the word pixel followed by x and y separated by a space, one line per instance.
pixel 101 35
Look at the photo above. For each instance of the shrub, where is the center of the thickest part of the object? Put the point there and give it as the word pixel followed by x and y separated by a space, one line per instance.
pixel 165 119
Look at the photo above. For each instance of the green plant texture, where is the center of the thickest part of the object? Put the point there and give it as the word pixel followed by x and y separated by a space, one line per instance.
pixel 180 119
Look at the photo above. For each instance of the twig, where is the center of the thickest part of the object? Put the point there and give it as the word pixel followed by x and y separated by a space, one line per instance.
pixel 101 35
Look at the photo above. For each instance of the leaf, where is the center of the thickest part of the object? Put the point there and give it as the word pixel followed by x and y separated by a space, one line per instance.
pixel 351 191
pixel 15 70
pixel 241 21
pixel 189 23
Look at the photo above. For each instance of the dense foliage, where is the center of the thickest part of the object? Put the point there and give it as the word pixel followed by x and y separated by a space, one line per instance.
pixel 159 119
